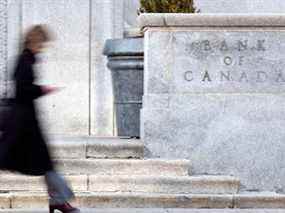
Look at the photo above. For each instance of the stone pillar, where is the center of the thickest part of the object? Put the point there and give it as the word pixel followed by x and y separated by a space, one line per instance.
pixel 106 23
pixel 3 47
pixel 214 94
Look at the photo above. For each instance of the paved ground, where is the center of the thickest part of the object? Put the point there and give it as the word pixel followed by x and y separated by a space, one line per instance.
pixel 158 211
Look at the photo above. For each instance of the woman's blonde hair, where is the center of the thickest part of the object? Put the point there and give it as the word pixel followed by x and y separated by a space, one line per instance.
pixel 37 34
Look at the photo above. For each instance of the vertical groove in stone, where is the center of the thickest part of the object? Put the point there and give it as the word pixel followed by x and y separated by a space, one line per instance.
pixel 90 68
pixel 107 23
pixel 3 47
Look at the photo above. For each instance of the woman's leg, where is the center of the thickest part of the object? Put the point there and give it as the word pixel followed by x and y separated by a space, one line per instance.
pixel 58 189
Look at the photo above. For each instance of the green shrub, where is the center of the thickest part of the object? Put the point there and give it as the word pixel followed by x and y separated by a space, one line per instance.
pixel 167 6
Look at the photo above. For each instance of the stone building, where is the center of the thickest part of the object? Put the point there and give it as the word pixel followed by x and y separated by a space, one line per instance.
pixel 194 133
pixel 75 59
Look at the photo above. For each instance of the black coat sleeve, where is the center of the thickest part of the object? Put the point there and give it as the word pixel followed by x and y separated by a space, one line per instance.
pixel 26 90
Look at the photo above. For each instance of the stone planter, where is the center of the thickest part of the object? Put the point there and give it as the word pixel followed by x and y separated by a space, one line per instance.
pixel 125 60
pixel 214 94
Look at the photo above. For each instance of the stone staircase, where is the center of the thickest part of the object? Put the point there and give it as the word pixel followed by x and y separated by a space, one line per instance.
pixel 111 173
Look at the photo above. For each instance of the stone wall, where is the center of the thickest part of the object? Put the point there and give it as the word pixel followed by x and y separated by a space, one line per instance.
pixel 214 90
pixel 82 28
pixel 130 12
pixel 73 61
pixel 3 47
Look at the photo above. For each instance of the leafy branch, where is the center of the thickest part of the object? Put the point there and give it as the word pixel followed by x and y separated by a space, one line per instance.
pixel 167 6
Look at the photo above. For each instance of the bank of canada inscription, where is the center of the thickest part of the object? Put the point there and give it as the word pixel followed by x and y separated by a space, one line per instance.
pixel 228 60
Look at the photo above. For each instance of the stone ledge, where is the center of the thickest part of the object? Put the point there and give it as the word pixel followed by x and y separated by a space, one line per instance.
pixel 127 200
pixel 211 20
pixel 124 47
pixel 152 167
pixel 143 200
pixel 5 202
pixel 128 183
pixel 124 149
pixel 95 147
pixel 151 210
pixel 133 33
pixel 262 200
pixel 170 185
pixel 12 182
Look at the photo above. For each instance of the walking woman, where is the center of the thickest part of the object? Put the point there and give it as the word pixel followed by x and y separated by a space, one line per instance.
pixel 22 146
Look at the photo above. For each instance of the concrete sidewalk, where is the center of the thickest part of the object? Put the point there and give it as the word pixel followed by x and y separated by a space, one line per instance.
pixel 150 210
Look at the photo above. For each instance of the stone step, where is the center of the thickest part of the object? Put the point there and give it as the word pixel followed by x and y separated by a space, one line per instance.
pixel 121 200
pixel 171 185
pixel 95 147
pixel 151 210
pixel 145 200
pixel 150 167
pixel 168 185
pixel 17 183
pixel 260 200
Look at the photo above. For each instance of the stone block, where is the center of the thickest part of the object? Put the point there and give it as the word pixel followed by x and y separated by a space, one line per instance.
pixel 4 201
pixel 21 183
pixel 215 62
pixel 167 185
pixel 29 200
pixel 127 200
pixel 210 20
pixel 182 203
pixel 260 201
pixel 214 94
pixel 116 148
pixel 95 147
pixel 152 167
pixel 9 182
pixel 154 210
pixel 137 200
pixel 68 150
pixel 222 129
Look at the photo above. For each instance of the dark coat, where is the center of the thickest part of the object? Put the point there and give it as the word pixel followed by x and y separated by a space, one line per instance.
pixel 22 145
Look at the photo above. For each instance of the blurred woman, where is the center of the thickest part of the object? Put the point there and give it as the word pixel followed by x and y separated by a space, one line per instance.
pixel 22 146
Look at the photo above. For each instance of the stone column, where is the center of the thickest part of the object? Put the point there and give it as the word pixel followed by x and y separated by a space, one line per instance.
pixel 106 23
pixel 3 47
